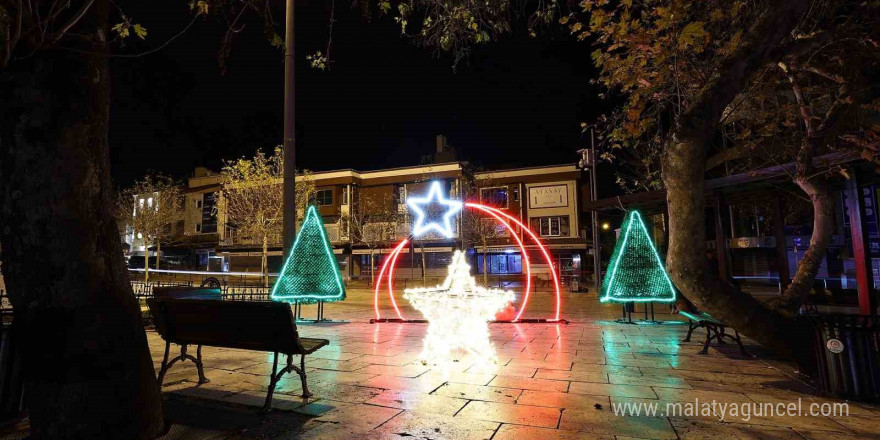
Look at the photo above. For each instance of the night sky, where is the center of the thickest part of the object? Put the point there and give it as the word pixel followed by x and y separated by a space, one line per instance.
pixel 516 102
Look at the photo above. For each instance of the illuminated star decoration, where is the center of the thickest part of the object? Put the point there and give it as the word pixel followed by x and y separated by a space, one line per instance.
pixel 436 192
pixel 458 312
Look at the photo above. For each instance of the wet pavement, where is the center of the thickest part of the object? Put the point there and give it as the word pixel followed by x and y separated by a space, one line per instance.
pixel 552 381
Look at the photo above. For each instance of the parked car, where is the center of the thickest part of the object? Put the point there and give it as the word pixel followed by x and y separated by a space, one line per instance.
pixel 137 262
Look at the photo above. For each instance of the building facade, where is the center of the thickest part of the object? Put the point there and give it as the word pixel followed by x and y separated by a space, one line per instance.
pixel 365 215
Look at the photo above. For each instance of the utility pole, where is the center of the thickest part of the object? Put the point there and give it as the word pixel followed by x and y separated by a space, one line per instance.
pixel 588 160
pixel 289 144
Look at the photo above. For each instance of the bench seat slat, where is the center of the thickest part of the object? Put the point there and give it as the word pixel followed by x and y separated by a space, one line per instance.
pixel 311 344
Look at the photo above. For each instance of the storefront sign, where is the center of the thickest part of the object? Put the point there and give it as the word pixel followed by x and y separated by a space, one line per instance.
pixel 555 196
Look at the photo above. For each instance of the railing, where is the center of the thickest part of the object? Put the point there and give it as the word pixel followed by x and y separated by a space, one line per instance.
pixel 246 293
pixel 145 290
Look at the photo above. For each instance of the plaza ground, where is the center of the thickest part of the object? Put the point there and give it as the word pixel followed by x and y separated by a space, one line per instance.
pixel 553 381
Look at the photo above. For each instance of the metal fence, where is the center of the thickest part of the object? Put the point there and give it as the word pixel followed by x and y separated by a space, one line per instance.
pixel 246 293
pixel 145 290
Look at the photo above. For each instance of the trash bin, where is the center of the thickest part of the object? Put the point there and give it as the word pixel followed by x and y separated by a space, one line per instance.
pixel 847 353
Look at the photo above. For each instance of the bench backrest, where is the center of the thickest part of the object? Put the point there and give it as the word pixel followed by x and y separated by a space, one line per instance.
pixel 262 326
pixel 183 292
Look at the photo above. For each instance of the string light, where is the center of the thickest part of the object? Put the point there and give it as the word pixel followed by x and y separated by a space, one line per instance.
pixel 637 273
pixel 310 273
pixel 458 312
pixel 390 286
pixel 436 192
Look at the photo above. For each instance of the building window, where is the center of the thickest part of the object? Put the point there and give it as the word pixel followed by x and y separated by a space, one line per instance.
pixel 551 226
pixel 515 194
pixel 345 190
pixel 198 204
pixel 198 227
pixel 324 197
pixel 496 197
pixel 500 263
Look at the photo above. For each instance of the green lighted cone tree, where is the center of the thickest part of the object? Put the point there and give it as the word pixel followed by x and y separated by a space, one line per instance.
pixel 636 273
pixel 310 273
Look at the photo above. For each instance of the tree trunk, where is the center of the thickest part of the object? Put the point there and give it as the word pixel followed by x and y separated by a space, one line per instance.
pixel 372 271
pixel 683 173
pixel 265 262
pixel 485 265
pixel 146 263
pixel 88 370
pixel 823 227
pixel 158 252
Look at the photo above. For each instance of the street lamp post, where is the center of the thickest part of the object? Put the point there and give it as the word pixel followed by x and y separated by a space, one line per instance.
pixel 588 162
pixel 289 181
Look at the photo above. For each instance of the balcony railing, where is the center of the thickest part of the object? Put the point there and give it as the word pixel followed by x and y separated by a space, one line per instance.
pixel 232 238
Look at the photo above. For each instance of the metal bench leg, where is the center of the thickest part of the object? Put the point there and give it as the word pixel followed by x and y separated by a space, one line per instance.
pixel 199 367
pixel 165 365
pixel 273 381
pixel 720 337
pixel 742 349
pixel 705 349
pixel 302 376
pixel 691 328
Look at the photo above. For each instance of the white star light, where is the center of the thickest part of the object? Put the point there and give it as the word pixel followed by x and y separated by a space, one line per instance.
pixel 458 312
pixel 436 192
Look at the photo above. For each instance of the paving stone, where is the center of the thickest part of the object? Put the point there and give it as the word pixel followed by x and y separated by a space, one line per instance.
pixel 419 402
pixel 409 424
pixel 518 432
pixel 529 383
pixel 358 417
pixel 509 413
pixel 604 422
pixel 579 402
pixel 604 389
pixel 650 381
pixel 710 430
pixel 395 370
pixel 490 394
pixel 573 376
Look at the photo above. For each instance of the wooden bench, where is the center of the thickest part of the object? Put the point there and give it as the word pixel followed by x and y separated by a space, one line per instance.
pixel 261 326
pixel 715 329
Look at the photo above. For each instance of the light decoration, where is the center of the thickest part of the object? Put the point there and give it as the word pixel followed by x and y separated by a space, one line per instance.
pixel 311 273
pixel 458 312
pixel 454 206
pixel 416 204
pixel 393 254
pixel 637 273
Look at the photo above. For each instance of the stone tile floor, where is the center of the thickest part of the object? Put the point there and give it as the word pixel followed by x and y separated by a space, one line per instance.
pixel 553 381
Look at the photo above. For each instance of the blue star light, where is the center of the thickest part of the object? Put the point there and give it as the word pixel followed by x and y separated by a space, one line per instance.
pixel 436 192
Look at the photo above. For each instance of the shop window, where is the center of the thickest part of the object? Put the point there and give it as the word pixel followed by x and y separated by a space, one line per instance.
pixel 500 264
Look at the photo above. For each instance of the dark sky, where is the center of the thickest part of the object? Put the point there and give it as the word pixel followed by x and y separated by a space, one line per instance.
pixel 516 102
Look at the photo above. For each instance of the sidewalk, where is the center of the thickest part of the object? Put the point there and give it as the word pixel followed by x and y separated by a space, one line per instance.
pixel 553 381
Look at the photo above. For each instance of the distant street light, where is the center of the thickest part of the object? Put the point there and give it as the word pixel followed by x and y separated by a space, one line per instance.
pixel 606 226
